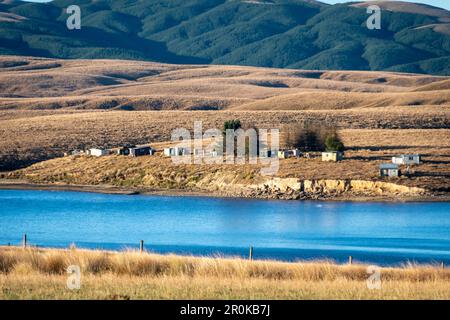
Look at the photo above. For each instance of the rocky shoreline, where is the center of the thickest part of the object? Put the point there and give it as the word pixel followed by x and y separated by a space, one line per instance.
pixel 265 192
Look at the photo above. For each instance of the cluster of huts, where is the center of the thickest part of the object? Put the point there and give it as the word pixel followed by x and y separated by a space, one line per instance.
pixel 131 150
pixel 393 169
pixel 296 153
pixel 386 169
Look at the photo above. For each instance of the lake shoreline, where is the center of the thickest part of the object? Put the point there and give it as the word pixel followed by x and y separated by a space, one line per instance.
pixel 182 255
pixel 103 189
pixel 42 274
pixel 12 184
pixel 243 255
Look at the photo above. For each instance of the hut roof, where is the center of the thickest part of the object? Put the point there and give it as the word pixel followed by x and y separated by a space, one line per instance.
pixel 388 166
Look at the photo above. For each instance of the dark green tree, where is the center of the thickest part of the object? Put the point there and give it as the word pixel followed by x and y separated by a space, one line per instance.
pixel 231 124
pixel 333 143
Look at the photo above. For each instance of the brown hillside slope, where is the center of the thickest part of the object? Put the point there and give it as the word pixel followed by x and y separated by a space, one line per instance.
pixel 435 86
pixel 346 100
pixel 42 135
pixel 37 83
pixel 50 106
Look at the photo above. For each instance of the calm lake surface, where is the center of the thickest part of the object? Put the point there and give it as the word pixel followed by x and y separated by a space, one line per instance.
pixel 382 233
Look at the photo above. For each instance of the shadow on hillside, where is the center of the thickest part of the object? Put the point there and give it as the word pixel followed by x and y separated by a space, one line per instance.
pixel 381 148
pixel 129 46
pixel 369 158
pixel 431 174
pixel 437 161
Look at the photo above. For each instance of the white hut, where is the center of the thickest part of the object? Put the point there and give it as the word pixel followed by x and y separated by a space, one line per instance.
pixel 332 156
pixel 141 151
pixel 296 153
pixel 77 152
pixel 97 152
pixel 199 152
pixel 283 154
pixel 175 151
pixel 265 153
pixel 389 170
pixel 407 159
pixel 214 154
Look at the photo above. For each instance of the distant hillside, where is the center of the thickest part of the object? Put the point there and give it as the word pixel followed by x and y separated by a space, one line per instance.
pixel 51 84
pixel 294 34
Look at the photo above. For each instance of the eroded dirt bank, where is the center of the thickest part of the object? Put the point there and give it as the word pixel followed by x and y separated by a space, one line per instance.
pixel 114 174
pixel 283 189
pixel 297 189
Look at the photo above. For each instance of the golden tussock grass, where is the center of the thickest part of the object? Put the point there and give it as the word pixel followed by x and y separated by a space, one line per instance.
pixel 39 273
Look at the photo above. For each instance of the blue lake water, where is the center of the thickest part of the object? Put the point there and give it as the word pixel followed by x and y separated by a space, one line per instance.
pixel 382 233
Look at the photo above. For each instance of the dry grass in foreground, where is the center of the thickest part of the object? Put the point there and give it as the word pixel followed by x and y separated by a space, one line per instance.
pixel 41 274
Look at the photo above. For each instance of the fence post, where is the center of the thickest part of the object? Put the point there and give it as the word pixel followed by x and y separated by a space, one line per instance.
pixel 350 260
pixel 141 246
pixel 251 253
pixel 24 241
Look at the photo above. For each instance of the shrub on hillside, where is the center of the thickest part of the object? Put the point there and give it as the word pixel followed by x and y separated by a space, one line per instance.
pixel 333 143
pixel 311 137
pixel 231 124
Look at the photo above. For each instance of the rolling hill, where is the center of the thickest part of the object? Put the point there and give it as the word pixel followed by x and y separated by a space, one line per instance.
pixel 294 34
pixel 52 84
pixel 49 106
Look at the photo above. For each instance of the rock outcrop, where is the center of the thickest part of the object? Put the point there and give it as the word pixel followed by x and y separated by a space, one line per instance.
pixel 296 189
